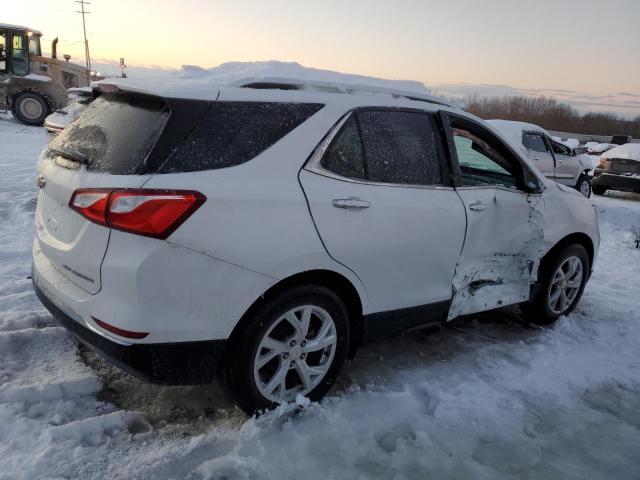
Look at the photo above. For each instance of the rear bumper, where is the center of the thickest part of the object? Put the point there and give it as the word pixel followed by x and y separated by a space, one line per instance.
pixel 183 363
pixel 617 182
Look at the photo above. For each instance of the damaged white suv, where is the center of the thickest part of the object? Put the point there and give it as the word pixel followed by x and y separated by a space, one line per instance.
pixel 262 233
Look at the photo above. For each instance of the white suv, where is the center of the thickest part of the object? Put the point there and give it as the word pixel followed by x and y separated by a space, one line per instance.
pixel 263 233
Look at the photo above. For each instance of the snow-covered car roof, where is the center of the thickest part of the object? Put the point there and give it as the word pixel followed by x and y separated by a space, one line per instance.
pixel 273 81
pixel 628 151
pixel 512 132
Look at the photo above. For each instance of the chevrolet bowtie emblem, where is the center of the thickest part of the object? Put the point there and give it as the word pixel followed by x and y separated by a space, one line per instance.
pixel 41 181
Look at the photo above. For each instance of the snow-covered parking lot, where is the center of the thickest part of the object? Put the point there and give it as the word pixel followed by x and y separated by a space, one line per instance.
pixel 483 398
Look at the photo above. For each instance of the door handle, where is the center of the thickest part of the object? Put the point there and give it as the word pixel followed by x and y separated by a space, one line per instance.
pixel 351 202
pixel 478 207
pixel 537 159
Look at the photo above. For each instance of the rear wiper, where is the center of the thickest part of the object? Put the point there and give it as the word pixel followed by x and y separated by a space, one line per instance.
pixel 71 155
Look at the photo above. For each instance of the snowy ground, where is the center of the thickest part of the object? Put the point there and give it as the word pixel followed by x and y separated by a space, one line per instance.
pixel 484 398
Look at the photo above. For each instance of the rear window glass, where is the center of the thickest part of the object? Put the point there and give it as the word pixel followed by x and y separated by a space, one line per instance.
pixel 114 133
pixel 232 133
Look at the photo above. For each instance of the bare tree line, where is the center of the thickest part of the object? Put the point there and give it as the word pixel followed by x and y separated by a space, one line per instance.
pixel 551 115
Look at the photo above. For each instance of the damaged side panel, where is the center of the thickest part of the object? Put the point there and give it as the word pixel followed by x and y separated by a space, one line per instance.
pixel 501 254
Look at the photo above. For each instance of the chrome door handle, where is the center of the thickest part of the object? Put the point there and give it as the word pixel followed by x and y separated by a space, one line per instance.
pixel 352 202
pixel 477 207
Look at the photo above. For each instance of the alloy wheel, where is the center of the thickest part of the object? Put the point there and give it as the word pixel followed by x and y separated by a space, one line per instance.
pixel 295 353
pixel 565 285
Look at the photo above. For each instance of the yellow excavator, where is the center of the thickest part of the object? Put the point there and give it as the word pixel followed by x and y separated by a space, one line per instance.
pixel 32 85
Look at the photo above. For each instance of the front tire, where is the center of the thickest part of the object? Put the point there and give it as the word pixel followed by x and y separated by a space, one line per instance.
pixel 584 185
pixel 563 280
pixel 295 344
pixel 30 108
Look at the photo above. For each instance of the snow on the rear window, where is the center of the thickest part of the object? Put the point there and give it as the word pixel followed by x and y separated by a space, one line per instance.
pixel 629 151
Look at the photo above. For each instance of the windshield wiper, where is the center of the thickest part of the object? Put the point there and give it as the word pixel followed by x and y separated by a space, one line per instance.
pixel 71 155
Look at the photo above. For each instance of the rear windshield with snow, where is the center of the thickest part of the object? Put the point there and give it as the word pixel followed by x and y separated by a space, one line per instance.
pixel 231 133
pixel 114 133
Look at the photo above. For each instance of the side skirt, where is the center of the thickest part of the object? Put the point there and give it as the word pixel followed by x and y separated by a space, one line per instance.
pixel 377 326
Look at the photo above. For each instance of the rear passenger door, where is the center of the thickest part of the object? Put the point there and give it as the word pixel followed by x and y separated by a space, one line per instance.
pixel 538 151
pixel 381 197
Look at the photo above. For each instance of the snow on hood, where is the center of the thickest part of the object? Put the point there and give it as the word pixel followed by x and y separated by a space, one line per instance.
pixel 195 79
pixel 628 151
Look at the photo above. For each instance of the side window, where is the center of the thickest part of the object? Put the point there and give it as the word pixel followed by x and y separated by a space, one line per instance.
pixel 232 133
pixel 480 162
pixel 3 51
pixel 344 155
pixel 400 147
pixel 534 141
pixel 19 55
pixel 559 148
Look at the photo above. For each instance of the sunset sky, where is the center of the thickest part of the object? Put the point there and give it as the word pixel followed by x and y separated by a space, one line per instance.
pixel 587 48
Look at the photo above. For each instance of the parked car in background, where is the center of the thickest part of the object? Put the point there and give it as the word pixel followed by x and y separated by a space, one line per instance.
pixel 260 234
pixel 596 148
pixel 79 98
pixel 621 139
pixel 553 159
pixel 619 169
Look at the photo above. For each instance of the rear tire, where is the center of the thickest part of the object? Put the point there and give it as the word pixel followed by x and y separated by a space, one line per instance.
pixel 270 350
pixel 563 279
pixel 584 185
pixel 30 108
pixel 599 190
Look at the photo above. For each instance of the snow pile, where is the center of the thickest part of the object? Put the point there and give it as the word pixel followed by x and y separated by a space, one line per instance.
pixel 569 142
pixel 596 148
pixel 195 78
pixel 628 151
pixel 487 398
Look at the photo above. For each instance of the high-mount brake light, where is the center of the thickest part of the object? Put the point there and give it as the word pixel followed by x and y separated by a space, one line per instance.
pixel 152 213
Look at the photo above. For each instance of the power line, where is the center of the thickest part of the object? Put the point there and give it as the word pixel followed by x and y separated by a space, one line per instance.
pixel 84 29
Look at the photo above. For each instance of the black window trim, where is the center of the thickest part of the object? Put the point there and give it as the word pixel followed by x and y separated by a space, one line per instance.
pixel 524 175
pixel 314 165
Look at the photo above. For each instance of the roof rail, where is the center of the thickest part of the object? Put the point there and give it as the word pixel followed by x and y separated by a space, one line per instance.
pixel 283 83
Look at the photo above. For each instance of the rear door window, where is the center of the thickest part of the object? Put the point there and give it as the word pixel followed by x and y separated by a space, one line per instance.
pixel 344 156
pixel 400 147
pixel 387 146
pixel 232 133
pixel 114 133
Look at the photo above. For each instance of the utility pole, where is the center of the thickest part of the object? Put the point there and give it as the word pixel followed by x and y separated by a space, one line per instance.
pixel 84 29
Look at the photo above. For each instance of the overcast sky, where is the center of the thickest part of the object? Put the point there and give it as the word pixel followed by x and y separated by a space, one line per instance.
pixel 584 51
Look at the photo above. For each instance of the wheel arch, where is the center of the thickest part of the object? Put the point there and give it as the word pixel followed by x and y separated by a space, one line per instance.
pixel 571 239
pixel 330 279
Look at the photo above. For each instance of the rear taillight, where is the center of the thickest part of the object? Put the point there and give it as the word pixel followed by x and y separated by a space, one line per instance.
pixel 152 213
pixel 603 163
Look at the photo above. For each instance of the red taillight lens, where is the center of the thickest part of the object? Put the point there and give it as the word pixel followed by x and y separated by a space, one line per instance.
pixel 153 213
pixel 603 163
pixel 91 204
